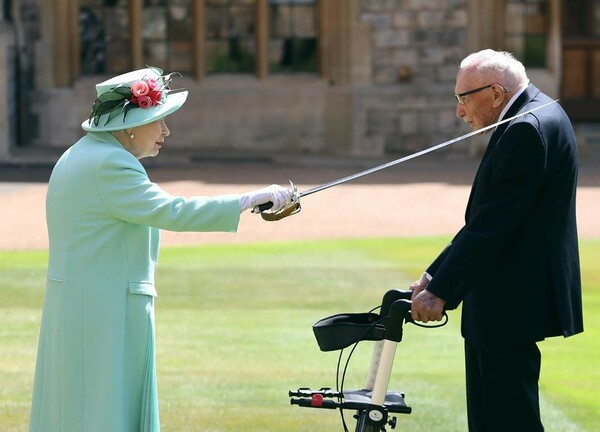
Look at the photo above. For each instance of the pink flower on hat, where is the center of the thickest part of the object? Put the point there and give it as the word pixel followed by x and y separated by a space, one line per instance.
pixel 144 101
pixel 152 83
pixel 146 92
pixel 140 88
pixel 155 96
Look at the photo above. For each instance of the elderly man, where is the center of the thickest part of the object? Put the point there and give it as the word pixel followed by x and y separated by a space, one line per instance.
pixel 515 263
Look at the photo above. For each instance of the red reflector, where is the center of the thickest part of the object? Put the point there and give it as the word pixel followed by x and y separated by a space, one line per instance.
pixel 316 400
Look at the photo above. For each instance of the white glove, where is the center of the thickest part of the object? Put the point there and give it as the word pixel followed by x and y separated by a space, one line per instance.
pixel 278 195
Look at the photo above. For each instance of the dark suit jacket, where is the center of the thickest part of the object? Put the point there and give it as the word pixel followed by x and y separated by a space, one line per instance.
pixel 515 263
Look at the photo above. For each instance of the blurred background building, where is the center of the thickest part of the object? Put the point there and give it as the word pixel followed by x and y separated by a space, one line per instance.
pixel 356 78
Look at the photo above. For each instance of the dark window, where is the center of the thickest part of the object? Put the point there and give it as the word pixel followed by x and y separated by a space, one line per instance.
pixel 170 39
pixel 167 34
pixel 230 36
pixel 104 36
pixel 526 31
pixel 581 19
pixel 596 19
pixel 292 36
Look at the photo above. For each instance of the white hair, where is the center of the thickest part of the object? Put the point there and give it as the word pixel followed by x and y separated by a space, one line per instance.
pixel 500 64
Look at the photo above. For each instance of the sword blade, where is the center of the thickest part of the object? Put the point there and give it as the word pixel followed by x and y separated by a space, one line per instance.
pixel 417 154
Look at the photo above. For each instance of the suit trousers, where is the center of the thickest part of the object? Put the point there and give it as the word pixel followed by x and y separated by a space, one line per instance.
pixel 502 388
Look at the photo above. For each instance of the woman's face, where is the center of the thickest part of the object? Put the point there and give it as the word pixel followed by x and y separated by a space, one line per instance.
pixel 147 139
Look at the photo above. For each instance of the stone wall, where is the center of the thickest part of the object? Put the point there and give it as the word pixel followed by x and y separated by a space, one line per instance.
pixel 224 113
pixel 402 104
pixel 416 46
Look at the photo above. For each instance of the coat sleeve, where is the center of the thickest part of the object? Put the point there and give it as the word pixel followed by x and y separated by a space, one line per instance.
pixel 129 195
pixel 516 176
pixel 433 267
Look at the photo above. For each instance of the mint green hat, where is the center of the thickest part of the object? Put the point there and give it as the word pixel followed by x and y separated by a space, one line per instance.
pixel 133 99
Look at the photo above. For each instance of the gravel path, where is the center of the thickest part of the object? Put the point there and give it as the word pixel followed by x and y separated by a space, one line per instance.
pixel 415 199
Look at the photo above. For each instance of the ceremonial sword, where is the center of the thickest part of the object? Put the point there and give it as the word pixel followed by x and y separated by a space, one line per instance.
pixel 294 207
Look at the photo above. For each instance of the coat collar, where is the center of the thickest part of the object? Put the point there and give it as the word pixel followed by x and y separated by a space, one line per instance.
pixel 524 98
pixel 106 137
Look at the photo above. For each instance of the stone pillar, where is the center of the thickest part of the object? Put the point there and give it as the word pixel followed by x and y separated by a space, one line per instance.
pixel 262 39
pixel 346 42
pixel 65 38
pixel 7 90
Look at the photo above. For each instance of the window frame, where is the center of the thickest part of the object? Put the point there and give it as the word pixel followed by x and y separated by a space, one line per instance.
pixel 67 45
pixel 489 30
pixel 527 34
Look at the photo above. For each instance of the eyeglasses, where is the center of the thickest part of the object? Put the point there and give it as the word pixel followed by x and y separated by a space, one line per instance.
pixel 459 97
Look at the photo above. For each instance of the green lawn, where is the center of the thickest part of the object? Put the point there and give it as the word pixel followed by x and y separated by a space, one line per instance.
pixel 234 335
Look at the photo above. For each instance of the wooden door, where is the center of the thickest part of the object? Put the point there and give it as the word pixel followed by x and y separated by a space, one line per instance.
pixel 580 90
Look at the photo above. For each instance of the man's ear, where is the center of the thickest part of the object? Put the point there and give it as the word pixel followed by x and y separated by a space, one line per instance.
pixel 498 96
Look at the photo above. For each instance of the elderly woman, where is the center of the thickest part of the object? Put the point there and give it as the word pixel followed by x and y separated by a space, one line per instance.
pixel 96 362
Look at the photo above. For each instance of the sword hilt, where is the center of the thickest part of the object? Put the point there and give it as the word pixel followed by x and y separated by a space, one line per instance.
pixel 292 208
pixel 265 206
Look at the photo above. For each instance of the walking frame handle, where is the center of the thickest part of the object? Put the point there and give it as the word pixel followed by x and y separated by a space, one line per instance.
pixel 373 403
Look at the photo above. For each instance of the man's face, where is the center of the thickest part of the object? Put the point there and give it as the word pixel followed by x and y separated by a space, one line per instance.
pixel 480 108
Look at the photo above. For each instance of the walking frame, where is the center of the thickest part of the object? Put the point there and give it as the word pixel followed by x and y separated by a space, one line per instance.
pixel 374 403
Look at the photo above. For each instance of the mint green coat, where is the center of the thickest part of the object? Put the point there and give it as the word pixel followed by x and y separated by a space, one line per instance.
pixel 95 366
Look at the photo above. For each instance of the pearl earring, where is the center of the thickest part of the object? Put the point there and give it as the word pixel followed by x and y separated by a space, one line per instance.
pixel 131 135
